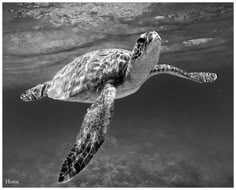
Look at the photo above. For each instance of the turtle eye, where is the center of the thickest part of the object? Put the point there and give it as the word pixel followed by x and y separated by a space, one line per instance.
pixel 141 40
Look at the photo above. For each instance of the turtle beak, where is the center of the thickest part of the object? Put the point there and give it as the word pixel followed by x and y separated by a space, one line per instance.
pixel 153 35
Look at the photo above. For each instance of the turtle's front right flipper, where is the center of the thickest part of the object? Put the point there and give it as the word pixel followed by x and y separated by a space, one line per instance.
pixel 91 135
pixel 201 77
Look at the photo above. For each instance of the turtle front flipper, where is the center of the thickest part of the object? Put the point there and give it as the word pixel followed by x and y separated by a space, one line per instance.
pixel 91 135
pixel 201 77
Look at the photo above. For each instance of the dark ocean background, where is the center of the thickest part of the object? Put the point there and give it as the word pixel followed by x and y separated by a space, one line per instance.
pixel 171 133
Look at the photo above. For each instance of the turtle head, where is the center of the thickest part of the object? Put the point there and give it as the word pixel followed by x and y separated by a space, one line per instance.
pixel 144 56
pixel 147 44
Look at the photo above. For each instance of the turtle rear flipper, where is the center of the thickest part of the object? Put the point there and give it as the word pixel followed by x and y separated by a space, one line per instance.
pixel 35 93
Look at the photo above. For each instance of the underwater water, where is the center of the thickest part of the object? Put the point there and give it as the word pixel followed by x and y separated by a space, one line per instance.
pixel 171 133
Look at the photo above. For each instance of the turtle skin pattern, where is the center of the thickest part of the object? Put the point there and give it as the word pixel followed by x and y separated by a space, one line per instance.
pixel 35 93
pixel 201 77
pixel 91 135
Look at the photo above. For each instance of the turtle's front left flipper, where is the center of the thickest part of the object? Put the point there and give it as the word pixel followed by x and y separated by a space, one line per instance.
pixel 201 77
pixel 91 135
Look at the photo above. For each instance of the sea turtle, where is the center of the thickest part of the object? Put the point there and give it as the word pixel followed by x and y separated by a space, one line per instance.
pixel 99 77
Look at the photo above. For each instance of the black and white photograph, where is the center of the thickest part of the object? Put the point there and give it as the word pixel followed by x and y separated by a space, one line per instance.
pixel 117 94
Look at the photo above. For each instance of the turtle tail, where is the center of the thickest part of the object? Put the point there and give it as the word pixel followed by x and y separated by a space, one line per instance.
pixel 35 93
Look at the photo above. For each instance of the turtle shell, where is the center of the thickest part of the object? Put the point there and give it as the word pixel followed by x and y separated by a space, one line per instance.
pixel 89 72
